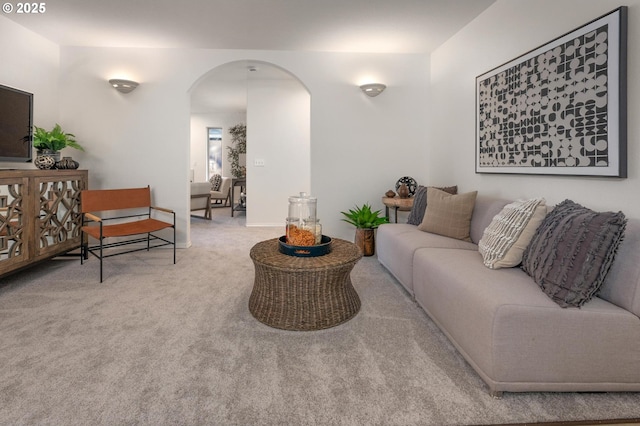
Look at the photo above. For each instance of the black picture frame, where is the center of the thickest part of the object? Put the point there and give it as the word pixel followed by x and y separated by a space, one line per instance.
pixel 559 109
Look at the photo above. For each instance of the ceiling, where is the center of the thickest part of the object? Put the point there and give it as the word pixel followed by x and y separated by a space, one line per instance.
pixel 225 88
pixel 386 26
pixel 371 26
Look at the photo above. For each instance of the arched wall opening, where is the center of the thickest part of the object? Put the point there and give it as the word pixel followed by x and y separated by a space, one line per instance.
pixel 276 107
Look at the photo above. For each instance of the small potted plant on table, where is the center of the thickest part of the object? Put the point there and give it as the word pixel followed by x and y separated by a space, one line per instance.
pixel 49 143
pixel 366 221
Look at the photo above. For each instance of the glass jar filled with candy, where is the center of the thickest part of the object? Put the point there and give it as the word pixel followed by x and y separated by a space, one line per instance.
pixel 302 225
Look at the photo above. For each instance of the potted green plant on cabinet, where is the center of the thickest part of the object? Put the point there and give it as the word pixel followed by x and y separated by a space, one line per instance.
pixel 48 143
pixel 366 221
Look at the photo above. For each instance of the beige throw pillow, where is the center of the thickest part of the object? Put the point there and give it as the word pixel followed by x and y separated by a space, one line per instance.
pixel 510 232
pixel 420 203
pixel 448 215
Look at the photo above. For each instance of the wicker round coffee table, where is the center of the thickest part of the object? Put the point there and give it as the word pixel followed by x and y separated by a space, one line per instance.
pixel 304 293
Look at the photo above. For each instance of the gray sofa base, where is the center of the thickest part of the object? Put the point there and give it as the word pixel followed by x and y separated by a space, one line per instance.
pixel 518 339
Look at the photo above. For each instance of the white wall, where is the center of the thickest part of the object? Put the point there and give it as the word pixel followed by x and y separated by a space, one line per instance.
pixel 30 63
pixel 359 146
pixel 199 141
pixel 135 139
pixel 278 119
pixel 506 30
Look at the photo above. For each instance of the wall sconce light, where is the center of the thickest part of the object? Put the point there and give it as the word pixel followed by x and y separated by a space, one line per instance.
pixel 123 86
pixel 373 89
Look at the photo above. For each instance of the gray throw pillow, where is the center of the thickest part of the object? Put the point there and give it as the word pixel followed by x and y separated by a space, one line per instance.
pixel 420 203
pixel 572 251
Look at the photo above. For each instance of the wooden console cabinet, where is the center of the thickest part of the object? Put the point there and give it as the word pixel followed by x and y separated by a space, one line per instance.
pixel 39 215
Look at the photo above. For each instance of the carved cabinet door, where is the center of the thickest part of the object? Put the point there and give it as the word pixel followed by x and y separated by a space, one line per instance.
pixel 14 232
pixel 58 214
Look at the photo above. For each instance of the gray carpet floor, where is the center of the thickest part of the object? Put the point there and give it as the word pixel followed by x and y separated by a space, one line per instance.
pixel 164 344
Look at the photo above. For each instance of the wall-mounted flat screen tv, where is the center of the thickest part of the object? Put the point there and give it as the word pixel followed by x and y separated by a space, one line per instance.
pixel 16 124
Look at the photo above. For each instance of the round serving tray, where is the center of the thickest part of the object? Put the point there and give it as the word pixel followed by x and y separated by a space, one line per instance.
pixel 305 251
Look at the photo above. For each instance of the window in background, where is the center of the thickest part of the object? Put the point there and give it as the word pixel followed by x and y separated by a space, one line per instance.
pixel 214 151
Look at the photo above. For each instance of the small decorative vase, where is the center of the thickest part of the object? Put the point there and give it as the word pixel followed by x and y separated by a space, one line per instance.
pixel 365 240
pixel 54 154
pixel 67 163
pixel 44 161
pixel 389 194
pixel 403 191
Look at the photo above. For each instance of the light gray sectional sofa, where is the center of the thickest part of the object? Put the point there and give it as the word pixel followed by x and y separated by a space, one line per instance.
pixel 514 336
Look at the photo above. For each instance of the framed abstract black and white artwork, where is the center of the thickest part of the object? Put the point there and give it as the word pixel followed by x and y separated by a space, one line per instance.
pixel 559 109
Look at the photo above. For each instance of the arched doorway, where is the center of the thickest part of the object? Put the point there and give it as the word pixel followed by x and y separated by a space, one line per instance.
pixel 275 106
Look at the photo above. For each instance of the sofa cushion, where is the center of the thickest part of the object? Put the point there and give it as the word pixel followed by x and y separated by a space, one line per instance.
pixel 397 242
pixel 622 285
pixel 420 203
pixel 484 211
pixel 572 252
pixel 448 215
pixel 510 232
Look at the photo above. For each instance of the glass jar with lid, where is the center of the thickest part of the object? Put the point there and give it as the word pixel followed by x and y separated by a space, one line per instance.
pixel 302 221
